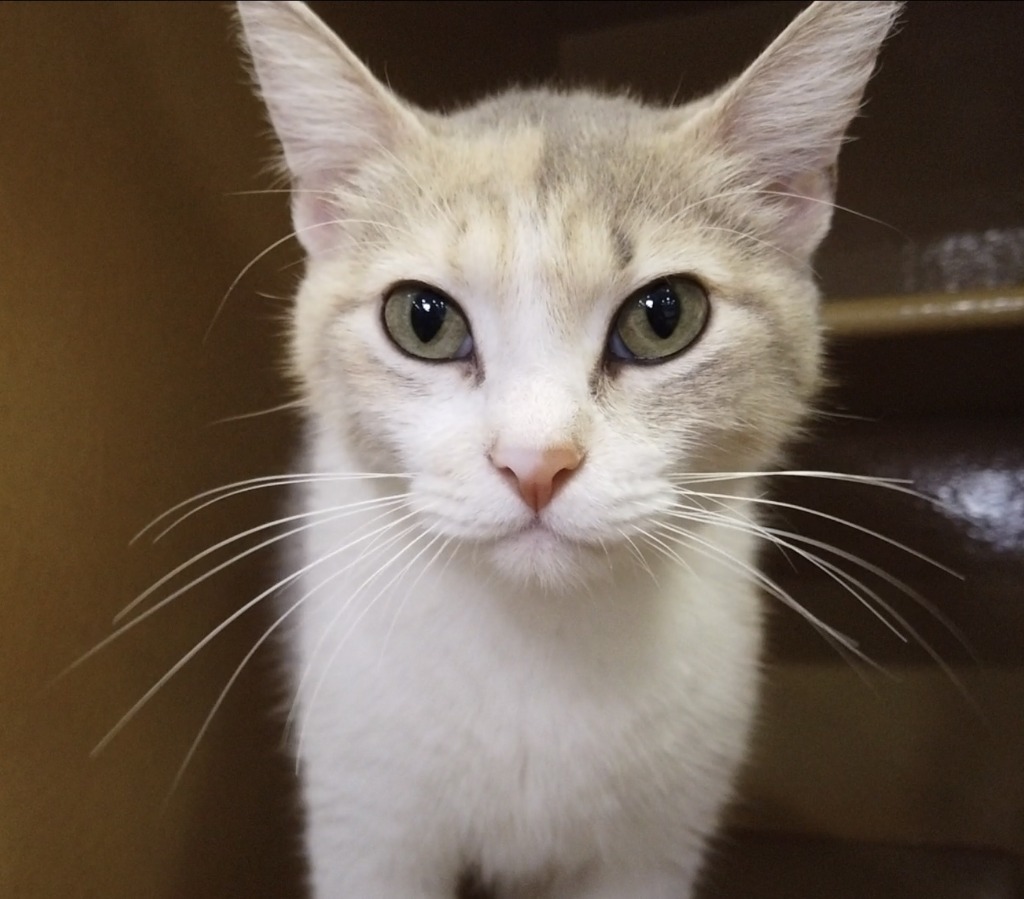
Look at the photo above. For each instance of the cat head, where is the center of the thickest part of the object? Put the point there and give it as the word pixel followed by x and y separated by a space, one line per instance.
pixel 548 307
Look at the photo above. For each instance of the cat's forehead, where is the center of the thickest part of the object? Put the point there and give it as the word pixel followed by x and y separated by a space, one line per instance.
pixel 556 149
pixel 551 194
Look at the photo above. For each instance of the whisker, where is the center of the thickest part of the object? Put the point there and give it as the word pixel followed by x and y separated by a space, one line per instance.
pixel 278 190
pixel 765 192
pixel 335 511
pixel 664 549
pixel 243 416
pixel 362 614
pixel 412 586
pixel 897 484
pixel 900 585
pixel 198 647
pixel 269 249
pixel 836 206
pixel 266 635
pixel 325 633
pixel 933 654
pixel 841 521
pixel 247 268
pixel 843 578
pixel 194 746
pixel 152 610
pixel 226 491
pixel 756 240
pixel 711 549
pixel 857 588
pixel 639 556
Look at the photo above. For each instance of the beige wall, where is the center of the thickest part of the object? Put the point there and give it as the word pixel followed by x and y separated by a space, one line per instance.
pixel 124 131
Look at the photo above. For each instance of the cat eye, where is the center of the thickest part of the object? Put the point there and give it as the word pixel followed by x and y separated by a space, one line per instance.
pixel 426 323
pixel 659 320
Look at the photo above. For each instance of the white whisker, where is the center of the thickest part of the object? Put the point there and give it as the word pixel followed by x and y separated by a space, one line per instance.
pixel 711 549
pixel 897 484
pixel 165 601
pixel 664 549
pixel 280 620
pixel 335 513
pixel 359 617
pixel 280 407
pixel 234 616
pixel 834 205
pixel 225 491
pixel 412 586
pixel 853 585
pixel 841 521
pixel 901 620
pixel 273 246
pixel 639 556
pixel 843 578
pixel 325 633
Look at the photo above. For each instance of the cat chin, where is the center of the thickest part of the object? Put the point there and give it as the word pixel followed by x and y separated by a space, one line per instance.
pixel 536 557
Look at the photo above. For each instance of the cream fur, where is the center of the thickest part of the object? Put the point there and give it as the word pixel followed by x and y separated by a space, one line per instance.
pixel 558 705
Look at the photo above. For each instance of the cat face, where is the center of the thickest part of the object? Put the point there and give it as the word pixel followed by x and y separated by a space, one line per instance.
pixel 545 258
pixel 547 308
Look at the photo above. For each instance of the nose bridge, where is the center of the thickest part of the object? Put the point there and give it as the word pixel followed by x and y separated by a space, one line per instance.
pixel 538 407
pixel 538 377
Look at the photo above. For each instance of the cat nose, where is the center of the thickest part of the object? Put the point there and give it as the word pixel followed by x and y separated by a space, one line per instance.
pixel 538 473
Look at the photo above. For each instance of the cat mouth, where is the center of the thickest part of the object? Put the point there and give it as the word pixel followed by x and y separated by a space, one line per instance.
pixel 533 528
pixel 542 535
pixel 536 529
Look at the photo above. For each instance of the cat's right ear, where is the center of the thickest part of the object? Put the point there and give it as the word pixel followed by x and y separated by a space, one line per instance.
pixel 330 113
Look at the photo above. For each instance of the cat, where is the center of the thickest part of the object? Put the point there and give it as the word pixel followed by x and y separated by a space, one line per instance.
pixel 544 344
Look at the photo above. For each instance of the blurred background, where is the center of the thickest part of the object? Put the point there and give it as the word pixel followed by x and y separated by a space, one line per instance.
pixel 132 195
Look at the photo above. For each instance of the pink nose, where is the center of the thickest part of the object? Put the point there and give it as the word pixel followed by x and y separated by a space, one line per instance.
pixel 538 472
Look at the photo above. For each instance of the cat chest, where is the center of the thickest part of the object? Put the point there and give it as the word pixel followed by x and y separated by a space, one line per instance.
pixel 524 746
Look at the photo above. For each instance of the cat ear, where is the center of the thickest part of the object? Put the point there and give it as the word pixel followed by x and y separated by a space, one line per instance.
pixel 330 114
pixel 785 116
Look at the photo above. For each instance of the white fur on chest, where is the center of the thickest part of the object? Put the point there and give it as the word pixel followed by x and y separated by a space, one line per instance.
pixel 463 722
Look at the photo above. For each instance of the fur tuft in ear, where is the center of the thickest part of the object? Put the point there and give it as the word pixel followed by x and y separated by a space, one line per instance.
pixel 329 112
pixel 785 116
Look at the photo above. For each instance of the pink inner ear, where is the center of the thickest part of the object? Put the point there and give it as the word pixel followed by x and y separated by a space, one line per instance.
pixel 315 215
pixel 806 201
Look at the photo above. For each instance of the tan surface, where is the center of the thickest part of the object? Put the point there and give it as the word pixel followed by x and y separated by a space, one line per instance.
pixel 924 313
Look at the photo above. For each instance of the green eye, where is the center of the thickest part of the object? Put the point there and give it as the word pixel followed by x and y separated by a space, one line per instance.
pixel 425 323
pixel 659 320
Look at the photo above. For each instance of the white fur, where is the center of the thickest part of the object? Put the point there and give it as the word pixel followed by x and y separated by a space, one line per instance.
pixel 556 703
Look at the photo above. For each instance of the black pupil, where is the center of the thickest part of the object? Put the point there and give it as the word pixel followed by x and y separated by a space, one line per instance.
pixel 427 315
pixel 663 309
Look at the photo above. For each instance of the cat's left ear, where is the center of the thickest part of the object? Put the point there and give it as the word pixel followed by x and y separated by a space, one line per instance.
pixel 784 119
pixel 331 115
